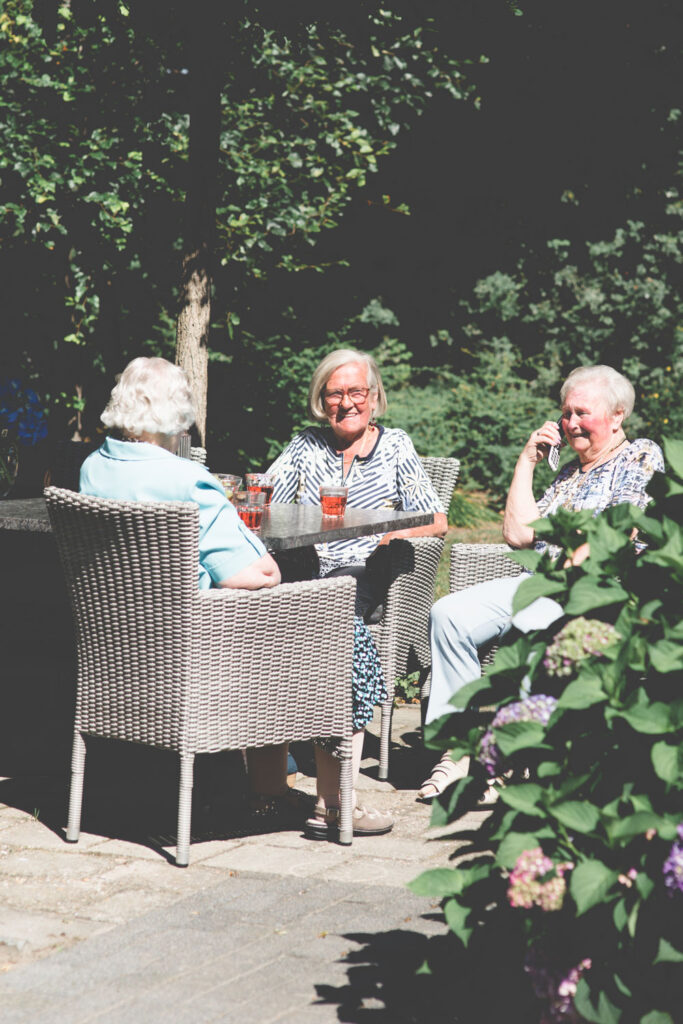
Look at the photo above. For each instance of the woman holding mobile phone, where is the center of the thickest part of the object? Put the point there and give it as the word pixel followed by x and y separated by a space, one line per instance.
pixel 608 470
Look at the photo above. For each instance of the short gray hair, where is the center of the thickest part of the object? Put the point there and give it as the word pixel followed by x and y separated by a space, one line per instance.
pixel 619 393
pixel 332 362
pixel 151 396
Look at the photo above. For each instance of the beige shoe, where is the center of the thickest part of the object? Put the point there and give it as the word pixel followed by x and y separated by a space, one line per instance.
pixel 366 822
pixel 445 773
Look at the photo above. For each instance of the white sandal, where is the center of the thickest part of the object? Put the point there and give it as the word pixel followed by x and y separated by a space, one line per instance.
pixel 445 773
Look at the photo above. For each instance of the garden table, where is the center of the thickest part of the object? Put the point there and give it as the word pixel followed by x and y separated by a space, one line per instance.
pixel 284 527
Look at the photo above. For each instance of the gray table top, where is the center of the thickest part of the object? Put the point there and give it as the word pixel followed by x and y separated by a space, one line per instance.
pixel 284 526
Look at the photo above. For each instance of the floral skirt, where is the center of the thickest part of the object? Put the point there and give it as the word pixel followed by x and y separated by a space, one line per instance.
pixel 368 685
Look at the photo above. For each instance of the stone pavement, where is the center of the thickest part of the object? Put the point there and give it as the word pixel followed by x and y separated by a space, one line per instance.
pixel 258 928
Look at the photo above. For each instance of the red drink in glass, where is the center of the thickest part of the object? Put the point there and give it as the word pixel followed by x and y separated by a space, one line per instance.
pixel 251 515
pixel 333 504
pixel 333 499
pixel 261 482
pixel 266 489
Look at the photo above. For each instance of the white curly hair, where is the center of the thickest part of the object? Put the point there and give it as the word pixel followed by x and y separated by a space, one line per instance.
pixel 151 396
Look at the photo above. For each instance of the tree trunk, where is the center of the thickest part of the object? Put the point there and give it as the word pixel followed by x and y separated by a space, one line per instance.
pixel 192 333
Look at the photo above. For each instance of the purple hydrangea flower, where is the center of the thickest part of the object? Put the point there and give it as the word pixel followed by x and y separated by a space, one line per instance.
pixel 556 987
pixel 538 708
pixel 673 865
pixel 579 639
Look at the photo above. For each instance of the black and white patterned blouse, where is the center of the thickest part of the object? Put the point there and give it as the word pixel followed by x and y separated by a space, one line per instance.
pixel 390 476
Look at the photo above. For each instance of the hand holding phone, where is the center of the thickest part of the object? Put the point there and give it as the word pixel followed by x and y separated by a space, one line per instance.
pixel 554 452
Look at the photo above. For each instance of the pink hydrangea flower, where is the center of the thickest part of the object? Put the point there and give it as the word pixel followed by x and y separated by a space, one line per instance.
pixel 537 881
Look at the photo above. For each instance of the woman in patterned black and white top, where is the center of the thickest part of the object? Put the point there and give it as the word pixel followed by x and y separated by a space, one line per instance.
pixel 381 469
pixel 608 470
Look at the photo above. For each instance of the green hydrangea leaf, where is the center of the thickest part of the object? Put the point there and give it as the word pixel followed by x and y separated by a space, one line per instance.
pixel 648 718
pixel 582 693
pixel 590 592
pixel 578 815
pixel 524 798
pixel 438 882
pixel 589 884
pixel 516 843
pixel 667 954
pixel 456 918
pixel 519 736
pixel 667 761
pixel 605 1013
pixel 532 588
pixel 657 1017
pixel 666 656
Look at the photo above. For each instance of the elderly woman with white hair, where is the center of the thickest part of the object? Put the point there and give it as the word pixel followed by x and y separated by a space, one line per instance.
pixel 149 408
pixel 381 469
pixel 608 470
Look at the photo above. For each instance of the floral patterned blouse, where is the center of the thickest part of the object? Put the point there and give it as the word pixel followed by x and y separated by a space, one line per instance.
pixel 619 480
pixel 389 476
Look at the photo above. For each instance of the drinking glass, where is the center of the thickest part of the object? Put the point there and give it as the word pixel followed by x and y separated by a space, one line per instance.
pixel 261 482
pixel 251 515
pixel 229 483
pixel 333 499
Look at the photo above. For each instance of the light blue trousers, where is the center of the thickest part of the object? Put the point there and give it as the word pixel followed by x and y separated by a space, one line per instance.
pixel 459 623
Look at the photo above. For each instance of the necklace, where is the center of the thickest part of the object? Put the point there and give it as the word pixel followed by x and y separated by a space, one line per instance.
pixel 602 457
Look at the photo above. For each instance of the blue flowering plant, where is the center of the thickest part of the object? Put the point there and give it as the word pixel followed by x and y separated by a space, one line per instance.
pixel 22 413
pixel 574 880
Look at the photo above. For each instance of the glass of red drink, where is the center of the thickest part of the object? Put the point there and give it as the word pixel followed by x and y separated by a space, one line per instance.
pixel 261 482
pixel 333 499
pixel 251 515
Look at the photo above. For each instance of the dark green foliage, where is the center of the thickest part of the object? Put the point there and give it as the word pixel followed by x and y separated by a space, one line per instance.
pixel 601 785
pixel 94 139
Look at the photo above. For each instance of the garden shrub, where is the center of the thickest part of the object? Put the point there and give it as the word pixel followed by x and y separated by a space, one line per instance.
pixel 580 863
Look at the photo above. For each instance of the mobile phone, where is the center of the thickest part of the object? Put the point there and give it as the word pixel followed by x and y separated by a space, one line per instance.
pixel 554 453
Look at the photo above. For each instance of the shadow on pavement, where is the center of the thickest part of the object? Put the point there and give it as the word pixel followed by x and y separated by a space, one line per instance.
pixel 387 983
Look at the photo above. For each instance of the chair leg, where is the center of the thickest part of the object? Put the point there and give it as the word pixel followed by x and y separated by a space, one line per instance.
pixel 346 793
pixel 182 855
pixel 73 825
pixel 425 682
pixel 385 733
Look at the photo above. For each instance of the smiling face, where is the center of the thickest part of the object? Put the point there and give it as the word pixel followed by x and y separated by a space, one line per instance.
pixel 349 419
pixel 589 427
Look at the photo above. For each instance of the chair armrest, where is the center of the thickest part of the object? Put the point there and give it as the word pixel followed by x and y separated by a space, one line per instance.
pixel 402 634
pixel 476 563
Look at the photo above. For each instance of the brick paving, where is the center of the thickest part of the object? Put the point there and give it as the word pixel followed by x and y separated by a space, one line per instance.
pixel 258 928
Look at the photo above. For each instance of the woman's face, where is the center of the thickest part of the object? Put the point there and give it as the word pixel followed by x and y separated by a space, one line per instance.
pixel 348 418
pixel 587 424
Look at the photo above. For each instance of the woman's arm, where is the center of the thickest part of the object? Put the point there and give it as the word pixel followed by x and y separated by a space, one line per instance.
pixel 264 572
pixel 416 492
pixel 436 529
pixel 520 507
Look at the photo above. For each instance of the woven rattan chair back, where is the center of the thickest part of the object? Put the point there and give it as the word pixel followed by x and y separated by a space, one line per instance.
pixel 402 635
pixel 162 663
pixel 477 563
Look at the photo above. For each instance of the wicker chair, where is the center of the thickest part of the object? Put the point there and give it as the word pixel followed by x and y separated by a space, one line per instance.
pixel 476 563
pixel 162 663
pixel 402 635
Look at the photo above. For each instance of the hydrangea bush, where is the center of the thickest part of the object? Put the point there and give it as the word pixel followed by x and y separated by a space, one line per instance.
pixel 580 862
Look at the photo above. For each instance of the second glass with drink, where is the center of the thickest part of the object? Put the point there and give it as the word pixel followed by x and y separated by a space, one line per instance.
pixel 333 499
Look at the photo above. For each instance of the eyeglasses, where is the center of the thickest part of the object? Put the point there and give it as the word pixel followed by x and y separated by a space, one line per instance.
pixel 358 396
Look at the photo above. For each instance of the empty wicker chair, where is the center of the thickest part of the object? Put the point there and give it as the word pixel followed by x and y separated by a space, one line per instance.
pixel 162 663
pixel 476 563
pixel 402 634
